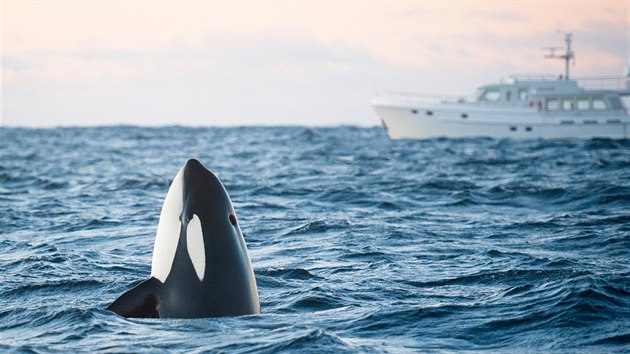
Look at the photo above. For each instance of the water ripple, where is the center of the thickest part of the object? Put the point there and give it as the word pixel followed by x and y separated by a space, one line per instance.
pixel 359 243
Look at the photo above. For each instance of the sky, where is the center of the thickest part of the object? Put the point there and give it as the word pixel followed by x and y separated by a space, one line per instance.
pixel 315 63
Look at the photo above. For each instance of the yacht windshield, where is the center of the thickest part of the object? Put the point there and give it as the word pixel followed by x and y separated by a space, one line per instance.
pixel 489 95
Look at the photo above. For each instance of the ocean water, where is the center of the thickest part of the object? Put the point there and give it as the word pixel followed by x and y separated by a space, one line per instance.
pixel 359 243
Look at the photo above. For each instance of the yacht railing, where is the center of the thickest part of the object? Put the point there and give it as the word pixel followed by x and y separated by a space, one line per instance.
pixel 424 98
pixel 603 82
pixel 586 82
pixel 534 77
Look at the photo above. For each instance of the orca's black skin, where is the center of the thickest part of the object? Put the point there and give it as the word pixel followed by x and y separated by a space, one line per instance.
pixel 228 287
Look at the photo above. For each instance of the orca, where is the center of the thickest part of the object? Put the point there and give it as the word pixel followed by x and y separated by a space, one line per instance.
pixel 200 265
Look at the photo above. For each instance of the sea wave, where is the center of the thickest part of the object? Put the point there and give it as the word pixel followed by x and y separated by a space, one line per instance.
pixel 359 243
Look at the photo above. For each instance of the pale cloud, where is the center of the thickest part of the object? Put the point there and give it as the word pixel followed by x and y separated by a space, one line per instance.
pixel 243 80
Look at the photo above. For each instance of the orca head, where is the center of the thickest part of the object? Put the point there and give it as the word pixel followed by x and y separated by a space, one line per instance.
pixel 200 265
pixel 197 213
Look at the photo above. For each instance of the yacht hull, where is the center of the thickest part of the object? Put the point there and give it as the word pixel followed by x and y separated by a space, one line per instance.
pixel 405 121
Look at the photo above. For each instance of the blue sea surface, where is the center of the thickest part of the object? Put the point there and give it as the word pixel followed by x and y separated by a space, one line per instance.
pixel 359 243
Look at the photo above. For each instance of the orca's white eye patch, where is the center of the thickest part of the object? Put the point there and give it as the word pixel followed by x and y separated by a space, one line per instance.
pixel 195 245
pixel 169 228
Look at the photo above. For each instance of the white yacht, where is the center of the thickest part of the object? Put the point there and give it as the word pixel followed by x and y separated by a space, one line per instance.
pixel 525 106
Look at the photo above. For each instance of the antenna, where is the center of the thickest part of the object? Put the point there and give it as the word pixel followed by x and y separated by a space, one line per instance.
pixel 567 55
pixel 552 51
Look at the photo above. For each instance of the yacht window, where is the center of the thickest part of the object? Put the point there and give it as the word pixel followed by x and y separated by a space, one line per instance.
pixel 491 96
pixel 508 95
pixel 599 104
pixel 479 94
pixel 615 103
pixel 522 95
pixel 583 104
pixel 553 104
pixel 567 104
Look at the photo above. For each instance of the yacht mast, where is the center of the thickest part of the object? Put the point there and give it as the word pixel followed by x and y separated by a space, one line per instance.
pixel 567 56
